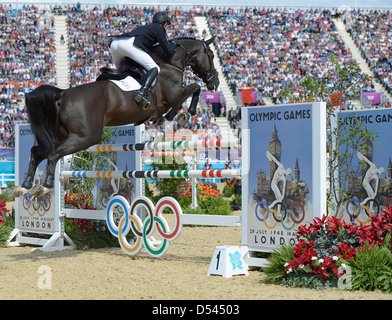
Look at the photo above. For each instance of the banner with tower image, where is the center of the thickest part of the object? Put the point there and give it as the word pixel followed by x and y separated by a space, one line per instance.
pixel 367 178
pixel 36 214
pixel 286 178
pixel 106 188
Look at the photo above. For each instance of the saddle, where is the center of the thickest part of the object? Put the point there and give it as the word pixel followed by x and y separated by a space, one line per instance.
pixel 127 68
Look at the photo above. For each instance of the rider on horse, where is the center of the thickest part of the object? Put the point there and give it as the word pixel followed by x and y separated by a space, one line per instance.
pixel 137 44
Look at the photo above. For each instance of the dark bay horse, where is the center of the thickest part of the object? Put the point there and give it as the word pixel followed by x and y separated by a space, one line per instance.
pixel 71 120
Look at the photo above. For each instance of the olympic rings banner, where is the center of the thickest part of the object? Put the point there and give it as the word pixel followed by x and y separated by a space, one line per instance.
pixel 369 180
pixel 141 221
pixel 35 214
pixel 107 187
pixel 286 182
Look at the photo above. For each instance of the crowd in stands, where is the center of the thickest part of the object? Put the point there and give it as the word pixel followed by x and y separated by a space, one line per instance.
pixel 261 48
pixel 372 32
pixel 27 56
pixel 267 49
pixel 90 31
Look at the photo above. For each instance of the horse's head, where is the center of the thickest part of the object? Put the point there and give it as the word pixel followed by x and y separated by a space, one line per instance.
pixel 201 60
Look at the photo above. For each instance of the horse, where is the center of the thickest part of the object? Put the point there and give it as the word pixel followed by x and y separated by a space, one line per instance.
pixel 65 121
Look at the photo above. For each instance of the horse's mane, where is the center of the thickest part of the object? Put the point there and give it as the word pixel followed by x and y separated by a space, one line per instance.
pixel 158 51
pixel 184 38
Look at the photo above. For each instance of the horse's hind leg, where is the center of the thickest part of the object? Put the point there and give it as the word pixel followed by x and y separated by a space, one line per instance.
pixel 36 157
pixel 72 144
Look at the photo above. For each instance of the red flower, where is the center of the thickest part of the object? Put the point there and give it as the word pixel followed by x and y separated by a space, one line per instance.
pixel 3 208
pixel 365 234
pixel 347 251
pixel 302 230
pixel 334 224
pixel 350 228
pixel 373 233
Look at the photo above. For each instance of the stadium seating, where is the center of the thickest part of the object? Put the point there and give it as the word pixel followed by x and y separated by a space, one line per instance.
pixel 262 48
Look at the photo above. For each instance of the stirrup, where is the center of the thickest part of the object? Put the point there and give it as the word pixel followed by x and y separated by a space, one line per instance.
pixel 143 100
pixel 147 105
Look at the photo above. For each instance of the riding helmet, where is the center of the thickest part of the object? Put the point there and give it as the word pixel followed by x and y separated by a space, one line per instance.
pixel 161 17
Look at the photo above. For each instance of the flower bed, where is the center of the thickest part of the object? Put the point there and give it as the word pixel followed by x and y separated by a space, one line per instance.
pixel 6 223
pixel 87 233
pixel 211 201
pixel 328 250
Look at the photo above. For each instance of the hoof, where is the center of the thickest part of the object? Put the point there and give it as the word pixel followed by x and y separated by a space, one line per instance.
pixel 28 183
pixel 158 122
pixel 18 192
pixel 192 111
pixel 39 191
pixel 183 118
pixel 47 190
pixel 49 182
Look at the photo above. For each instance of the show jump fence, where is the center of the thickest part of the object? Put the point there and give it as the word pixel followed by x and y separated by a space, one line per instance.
pixel 305 127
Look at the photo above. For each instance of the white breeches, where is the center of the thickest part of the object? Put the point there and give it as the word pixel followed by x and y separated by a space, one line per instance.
pixel 123 47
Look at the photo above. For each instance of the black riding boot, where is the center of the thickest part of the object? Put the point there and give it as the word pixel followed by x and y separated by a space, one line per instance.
pixel 141 95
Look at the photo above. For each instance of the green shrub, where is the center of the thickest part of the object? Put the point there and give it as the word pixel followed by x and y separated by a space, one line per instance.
pixel 215 205
pixel 310 281
pixel 11 185
pixel 185 202
pixel 4 196
pixel 276 264
pixel 94 236
pixel 372 268
pixel 169 187
pixel 228 191
pixel 6 228
pixel 211 205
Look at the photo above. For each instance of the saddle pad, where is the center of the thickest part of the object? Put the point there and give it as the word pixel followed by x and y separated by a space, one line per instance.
pixel 127 84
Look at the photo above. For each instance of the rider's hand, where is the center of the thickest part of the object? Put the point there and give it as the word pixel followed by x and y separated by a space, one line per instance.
pixel 176 42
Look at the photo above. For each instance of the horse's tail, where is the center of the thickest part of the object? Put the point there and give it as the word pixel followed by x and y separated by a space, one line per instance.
pixel 42 112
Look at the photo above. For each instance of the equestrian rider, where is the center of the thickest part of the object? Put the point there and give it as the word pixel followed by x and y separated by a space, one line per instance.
pixel 137 44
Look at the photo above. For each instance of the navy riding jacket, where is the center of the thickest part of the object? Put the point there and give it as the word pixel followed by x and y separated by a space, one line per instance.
pixel 148 35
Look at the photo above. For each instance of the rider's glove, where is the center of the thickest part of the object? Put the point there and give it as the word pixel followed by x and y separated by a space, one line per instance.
pixel 176 42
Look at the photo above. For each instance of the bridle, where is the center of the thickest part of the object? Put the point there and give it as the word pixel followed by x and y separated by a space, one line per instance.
pixel 207 76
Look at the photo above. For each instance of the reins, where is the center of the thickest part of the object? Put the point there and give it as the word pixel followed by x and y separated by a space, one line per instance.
pixel 172 66
pixel 208 76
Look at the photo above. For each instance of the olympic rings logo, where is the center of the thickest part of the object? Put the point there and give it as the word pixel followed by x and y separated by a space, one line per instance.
pixel 143 230
pixel 279 213
pixel 39 205
pixel 362 212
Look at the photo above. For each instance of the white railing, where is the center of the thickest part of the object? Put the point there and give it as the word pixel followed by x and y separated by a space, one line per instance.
pixel 6 178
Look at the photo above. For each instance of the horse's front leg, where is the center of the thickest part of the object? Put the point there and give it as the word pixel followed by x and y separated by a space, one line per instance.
pixel 192 89
pixel 194 102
